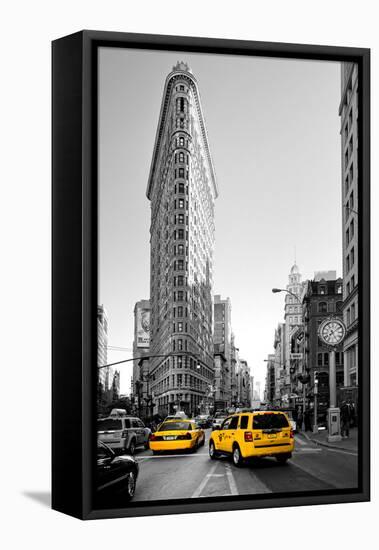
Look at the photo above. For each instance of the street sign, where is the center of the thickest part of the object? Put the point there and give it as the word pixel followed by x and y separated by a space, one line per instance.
pixel 296 355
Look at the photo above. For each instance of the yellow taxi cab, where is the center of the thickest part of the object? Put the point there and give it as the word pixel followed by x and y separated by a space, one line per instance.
pixel 176 435
pixel 253 434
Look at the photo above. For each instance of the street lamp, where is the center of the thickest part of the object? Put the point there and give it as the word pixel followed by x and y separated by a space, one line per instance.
pixel 275 291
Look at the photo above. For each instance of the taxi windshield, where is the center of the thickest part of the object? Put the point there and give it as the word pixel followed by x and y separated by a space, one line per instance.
pixel 174 426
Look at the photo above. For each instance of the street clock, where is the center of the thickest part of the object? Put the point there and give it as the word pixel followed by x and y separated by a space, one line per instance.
pixel 332 331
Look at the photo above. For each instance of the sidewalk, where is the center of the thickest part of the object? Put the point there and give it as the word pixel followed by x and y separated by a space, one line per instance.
pixel 350 444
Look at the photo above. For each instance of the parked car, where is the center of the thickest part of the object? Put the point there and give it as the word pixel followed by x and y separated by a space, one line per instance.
pixel 116 477
pixel 177 435
pixel 257 434
pixel 123 433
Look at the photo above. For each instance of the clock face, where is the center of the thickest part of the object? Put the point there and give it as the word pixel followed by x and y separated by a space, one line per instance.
pixel 332 332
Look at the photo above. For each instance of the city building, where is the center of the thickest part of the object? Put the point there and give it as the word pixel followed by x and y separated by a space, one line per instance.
pixel 222 338
pixel 270 388
pixel 348 112
pixel 281 378
pixel 321 299
pixel 244 388
pixel 182 191
pixel 115 387
pixel 102 348
pixel 141 348
pixel 293 320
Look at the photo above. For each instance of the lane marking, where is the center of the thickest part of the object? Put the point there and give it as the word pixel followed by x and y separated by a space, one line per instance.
pixel 351 453
pixel 143 458
pixel 259 486
pixel 231 480
pixel 204 481
pixel 308 450
pixel 299 440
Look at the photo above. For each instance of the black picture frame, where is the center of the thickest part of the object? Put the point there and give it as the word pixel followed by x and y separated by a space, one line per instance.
pixel 74 268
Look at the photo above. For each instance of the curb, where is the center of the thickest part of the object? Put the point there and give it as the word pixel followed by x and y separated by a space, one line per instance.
pixel 328 444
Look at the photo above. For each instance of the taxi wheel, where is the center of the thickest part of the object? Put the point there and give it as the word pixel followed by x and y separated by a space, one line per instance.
pixel 213 454
pixel 131 485
pixel 236 456
pixel 132 447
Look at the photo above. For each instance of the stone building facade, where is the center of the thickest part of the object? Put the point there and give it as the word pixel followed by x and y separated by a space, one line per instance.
pixel 348 112
pixel 222 338
pixel 104 374
pixel 321 299
pixel 182 190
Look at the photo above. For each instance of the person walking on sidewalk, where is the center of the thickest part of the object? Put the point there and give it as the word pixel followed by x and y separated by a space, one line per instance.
pixel 346 415
pixel 299 422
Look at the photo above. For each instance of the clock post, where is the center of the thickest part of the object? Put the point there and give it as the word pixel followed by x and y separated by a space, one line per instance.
pixel 332 332
pixel 334 413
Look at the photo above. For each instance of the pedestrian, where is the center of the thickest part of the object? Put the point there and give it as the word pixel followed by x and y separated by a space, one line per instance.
pixel 299 422
pixel 346 415
pixel 307 420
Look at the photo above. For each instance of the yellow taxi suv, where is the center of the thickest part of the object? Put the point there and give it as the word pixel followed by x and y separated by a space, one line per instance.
pixel 255 434
pixel 176 435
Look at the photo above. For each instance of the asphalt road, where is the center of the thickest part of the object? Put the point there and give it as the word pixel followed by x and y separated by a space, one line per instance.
pixel 173 476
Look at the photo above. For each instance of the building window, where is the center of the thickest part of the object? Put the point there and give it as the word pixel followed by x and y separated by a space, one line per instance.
pixel 322 290
pixel 180 327
pixel 180 295
pixel 348 288
pixel 339 307
pixel 180 344
pixel 326 359
pixel 180 248
pixel 181 188
pixel 322 307
pixel 180 233
pixel 339 288
pixel 181 157
pixel 352 313
pixel 181 218
pixel 181 203
pixel 181 142
pixel 352 256
pixel 319 359
pixel 181 172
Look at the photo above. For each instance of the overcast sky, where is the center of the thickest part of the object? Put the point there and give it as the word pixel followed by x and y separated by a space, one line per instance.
pixel 273 131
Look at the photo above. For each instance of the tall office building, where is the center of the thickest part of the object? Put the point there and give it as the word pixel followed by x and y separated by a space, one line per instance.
pixel 182 190
pixel 348 112
pixel 102 347
pixel 222 349
pixel 293 318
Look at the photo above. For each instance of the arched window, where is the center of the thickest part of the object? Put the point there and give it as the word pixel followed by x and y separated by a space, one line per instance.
pixel 322 307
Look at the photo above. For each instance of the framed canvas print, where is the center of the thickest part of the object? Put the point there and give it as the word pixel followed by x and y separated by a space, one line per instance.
pixel 210 275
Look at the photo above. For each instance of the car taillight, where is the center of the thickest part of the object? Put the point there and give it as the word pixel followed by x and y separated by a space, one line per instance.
pixel 185 436
pixel 291 434
pixel 248 436
pixel 152 437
